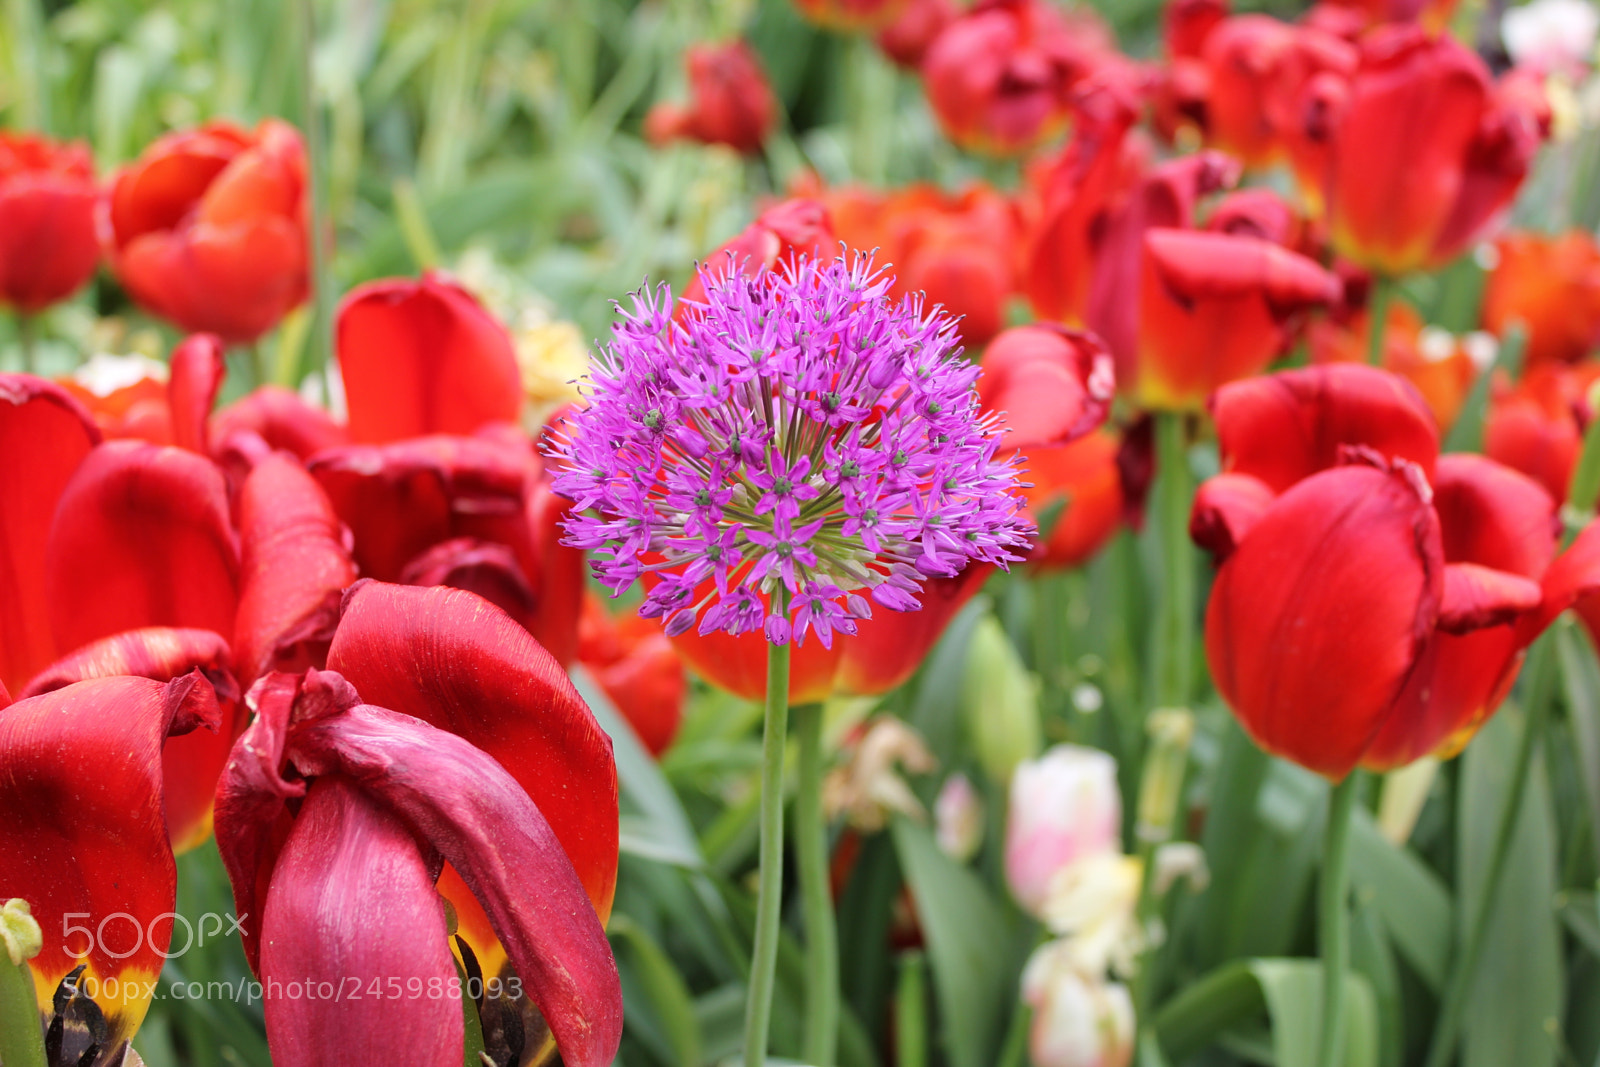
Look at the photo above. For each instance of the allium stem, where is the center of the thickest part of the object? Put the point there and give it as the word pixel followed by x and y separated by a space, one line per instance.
pixel 769 896
pixel 1333 920
pixel 1378 327
pixel 822 936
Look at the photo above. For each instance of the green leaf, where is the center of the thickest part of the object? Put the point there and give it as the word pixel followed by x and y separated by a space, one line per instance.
pixel 936 710
pixel 1581 912
pixel 1415 906
pixel 1372 957
pixel 1516 1000
pixel 1293 992
pixel 663 987
pixel 975 981
pixel 1580 674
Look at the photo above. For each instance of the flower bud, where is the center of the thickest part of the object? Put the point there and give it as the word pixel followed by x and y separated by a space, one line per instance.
pixel 19 932
pixel 1064 807
pixel 958 818
pixel 1078 1020
pixel 1001 702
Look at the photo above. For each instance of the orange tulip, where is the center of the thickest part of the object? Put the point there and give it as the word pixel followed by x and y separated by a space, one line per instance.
pixel 1537 426
pixel 851 16
pixel 1552 286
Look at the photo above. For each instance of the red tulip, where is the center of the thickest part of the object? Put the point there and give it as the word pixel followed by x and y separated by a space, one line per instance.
pixel 1538 426
pixel 1420 598
pixel 48 247
pixel 1552 286
pixel 1077 497
pixel 165 405
pixel 1431 14
pixel 851 16
pixel 208 228
pixel 635 664
pixel 730 102
pixel 339 889
pixel 421 357
pixel 85 837
pixel 1214 308
pixel 1000 77
pixel 280 419
pixel 798 226
pixel 907 38
pixel 1414 154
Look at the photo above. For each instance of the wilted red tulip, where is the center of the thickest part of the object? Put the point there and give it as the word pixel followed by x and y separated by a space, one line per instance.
pixel 798 226
pixel 1214 308
pixel 422 357
pixel 1415 154
pixel 959 249
pixel 471 512
pixel 1441 365
pixel 480 751
pixel 1000 77
pixel 907 38
pixel 851 16
pixel 730 102
pixel 635 664
pixel 1537 426
pixel 48 247
pixel 85 838
pixel 208 228
pixel 1552 286
pixel 1347 549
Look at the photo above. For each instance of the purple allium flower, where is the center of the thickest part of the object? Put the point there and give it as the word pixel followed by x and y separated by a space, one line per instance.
pixel 799 428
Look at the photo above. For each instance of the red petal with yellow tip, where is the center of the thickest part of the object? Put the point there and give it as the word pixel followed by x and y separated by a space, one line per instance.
pixel 423 357
pixel 44 435
pixel 355 959
pixel 295 565
pixel 84 841
pixel 455 661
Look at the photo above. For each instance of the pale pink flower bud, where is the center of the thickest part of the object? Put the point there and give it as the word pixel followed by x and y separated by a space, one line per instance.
pixel 1078 1020
pixel 1064 806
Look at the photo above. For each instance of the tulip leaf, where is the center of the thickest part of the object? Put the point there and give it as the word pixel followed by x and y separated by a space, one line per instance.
pixel 1372 956
pixel 1412 901
pixel 663 987
pixel 966 929
pixel 1516 1000
pixel 1581 912
pixel 1580 674
pixel 936 710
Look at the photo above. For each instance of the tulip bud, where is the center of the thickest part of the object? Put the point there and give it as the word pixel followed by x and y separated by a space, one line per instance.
pixel 1063 807
pixel 19 932
pixel 1001 702
pixel 1078 1020
pixel 958 818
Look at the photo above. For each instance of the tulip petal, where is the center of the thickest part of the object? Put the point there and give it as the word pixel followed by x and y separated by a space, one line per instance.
pixel 84 840
pixel 1197 265
pixel 563 575
pixel 190 764
pixel 1287 426
pixel 1476 597
pixel 1572 581
pixel 295 566
pixel 453 660
pixel 1053 384
pixel 197 373
pixel 282 419
pixel 44 435
pixel 355 959
pixel 1340 579
pixel 481 820
pixel 1083 482
pixel 889 647
pixel 1225 508
pixel 423 357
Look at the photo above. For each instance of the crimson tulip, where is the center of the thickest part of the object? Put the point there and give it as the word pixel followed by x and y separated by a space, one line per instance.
pixel 471 745
pixel 85 838
pixel 1414 154
pixel 908 36
pixel 635 664
pixel 798 226
pixel 421 357
pixel 282 419
pixel 730 101
pixel 1348 549
pixel 165 411
pixel 48 247
pixel 1001 75
pixel 1537 427
pixel 471 512
pixel 1552 286
pixel 208 228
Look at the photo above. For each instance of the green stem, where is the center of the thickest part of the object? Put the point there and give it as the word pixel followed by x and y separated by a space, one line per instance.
pixel 321 346
pixel 1378 307
pixel 911 1014
pixel 1446 1029
pixel 822 936
pixel 414 225
pixel 1175 658
pixel 769 895
pixel 258 365
pixel 27 337
pixel 21 1038
pixel 1334 918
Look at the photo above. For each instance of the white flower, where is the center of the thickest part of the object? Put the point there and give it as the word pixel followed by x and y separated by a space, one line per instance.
pixel 106 373
pixel 1093 907
pixel 1551 34
pixel 1064 806
pixel 1078 1020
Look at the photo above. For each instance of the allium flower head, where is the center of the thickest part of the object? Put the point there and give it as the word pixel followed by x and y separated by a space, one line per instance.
pixel 796 441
